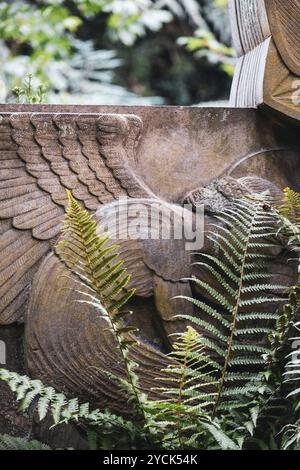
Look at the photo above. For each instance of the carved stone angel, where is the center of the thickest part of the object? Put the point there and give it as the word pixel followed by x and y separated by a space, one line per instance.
pixel 94 156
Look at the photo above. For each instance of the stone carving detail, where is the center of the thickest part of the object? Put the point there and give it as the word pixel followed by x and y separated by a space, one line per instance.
pixel 94 155
pixel 41 156
pixel 266 38
pixel 158 268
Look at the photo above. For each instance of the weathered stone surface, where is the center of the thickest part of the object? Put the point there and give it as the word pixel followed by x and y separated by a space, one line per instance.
pixel 266 38
pixel 105 153
pixel 102 153
pixel 171 154
pixel 70 346
pixel 11 421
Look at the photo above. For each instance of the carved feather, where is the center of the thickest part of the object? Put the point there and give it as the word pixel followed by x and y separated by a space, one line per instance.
pixel 42 155
pixel 72 348
pixel 143 252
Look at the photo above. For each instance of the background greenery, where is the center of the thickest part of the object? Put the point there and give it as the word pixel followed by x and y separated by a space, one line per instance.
pixel 117 51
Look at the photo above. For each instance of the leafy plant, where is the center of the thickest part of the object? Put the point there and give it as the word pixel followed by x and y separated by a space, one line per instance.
pixel 282 408
pixel 129 20
pixel 27 93
pixel 241 272
pixel 96 263
pixel 290 208
pixel 204 44
pixel 43 37
pixel 85 78
pixel 240 336
pixel 88 77
pixel 275 410
pixel 18 443
pixel 290 212
pixel 181 419
pixel 24 24
pixel 46 400
pixel 225 385
pixel 293 366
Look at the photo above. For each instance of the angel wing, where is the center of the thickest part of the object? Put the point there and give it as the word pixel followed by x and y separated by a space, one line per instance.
pixel 74 350
pixel 79 351
pixel 151 240
pixel 41 155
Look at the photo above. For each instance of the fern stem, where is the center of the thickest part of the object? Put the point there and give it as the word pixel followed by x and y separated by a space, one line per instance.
pixel 234 319
pixel 90 267
pixel 181 397
pixel 126 361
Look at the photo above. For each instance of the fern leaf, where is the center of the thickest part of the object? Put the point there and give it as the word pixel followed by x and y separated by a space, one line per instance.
pixel 95 261
pixel 18 443
pixel 291 206
pixel 242 277
pixel 63 410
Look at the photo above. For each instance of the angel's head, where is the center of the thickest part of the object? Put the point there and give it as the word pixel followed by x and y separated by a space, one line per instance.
pixel 219 194
pixel 216 196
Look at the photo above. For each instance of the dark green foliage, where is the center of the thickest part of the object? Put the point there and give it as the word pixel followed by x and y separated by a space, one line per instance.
pixel 157 42
pixel 18 443
pixel 28 93
pixel 226 388
pixel 280 409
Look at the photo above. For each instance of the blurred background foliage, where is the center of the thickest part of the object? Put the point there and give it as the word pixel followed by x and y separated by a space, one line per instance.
pixel 116 51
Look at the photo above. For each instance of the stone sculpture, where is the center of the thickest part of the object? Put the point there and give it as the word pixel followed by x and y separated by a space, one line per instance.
pixel 42 156
pixel 94 156
pixel 72 347
pixel 170 155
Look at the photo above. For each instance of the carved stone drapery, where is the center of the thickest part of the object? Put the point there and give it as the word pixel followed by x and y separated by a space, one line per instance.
pixel 266 38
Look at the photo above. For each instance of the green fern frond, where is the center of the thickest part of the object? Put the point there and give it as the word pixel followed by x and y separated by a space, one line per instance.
pixel 274 407
pixel 192 366
pixel 8 442
pixel 47 400
pixel 188 392
pixel 63 410
pixel 290 212
pixel 95 261
pixel 279 336
pixel 291 436
pixel 292 371
pixel 92 258
pixel 236 329
pixel 291 206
